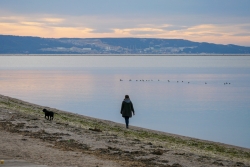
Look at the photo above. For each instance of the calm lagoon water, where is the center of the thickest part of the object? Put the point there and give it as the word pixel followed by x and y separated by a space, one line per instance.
pixel 204 108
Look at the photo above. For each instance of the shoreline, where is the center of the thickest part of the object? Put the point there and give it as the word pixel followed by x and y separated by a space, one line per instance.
pixel 126 54
pixel 103 139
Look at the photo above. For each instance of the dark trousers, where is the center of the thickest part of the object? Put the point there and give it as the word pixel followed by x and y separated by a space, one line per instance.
pixel 126 121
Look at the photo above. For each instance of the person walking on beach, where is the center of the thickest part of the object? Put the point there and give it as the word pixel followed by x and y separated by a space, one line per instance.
pixel 127 109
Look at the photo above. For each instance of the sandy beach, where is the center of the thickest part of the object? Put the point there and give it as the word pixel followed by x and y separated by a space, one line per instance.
pixel 73 140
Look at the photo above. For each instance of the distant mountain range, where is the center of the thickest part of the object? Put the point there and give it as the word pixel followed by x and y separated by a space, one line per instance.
pixel 35 45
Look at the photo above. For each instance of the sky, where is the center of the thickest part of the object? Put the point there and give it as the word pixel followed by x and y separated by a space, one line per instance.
pixel 213 21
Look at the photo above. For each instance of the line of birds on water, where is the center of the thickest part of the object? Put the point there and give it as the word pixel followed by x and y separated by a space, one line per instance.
pixel 142 80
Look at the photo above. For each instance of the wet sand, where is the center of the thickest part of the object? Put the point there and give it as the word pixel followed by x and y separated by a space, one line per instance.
pixel 77 140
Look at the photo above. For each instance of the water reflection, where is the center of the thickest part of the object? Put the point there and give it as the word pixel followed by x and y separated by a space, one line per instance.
pixel 47 85
pixel 209 111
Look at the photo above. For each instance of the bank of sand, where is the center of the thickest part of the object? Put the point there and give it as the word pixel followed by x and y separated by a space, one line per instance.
pixel 76 140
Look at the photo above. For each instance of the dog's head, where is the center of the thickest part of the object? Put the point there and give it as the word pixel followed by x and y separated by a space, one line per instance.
pixel 44 110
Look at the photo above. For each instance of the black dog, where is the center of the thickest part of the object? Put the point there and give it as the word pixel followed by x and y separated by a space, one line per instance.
pixel 49 114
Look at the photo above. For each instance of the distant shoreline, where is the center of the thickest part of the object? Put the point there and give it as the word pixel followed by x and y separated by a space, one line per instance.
pixel 37 45
pixel 124 54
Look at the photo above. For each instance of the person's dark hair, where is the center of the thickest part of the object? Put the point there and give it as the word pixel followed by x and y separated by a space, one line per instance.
pixel 126 96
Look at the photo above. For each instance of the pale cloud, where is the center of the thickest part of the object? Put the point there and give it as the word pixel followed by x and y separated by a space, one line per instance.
pixel 33 29
pixel 52 26
pixel 29 23
pixel 52 20
pixel 243 34
pixel 78 32
pixel 103 30
pixel 138 31
pixel 31 20
pixel 221 34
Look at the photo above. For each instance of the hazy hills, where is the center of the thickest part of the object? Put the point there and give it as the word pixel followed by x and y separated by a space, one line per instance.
pixel 35 45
